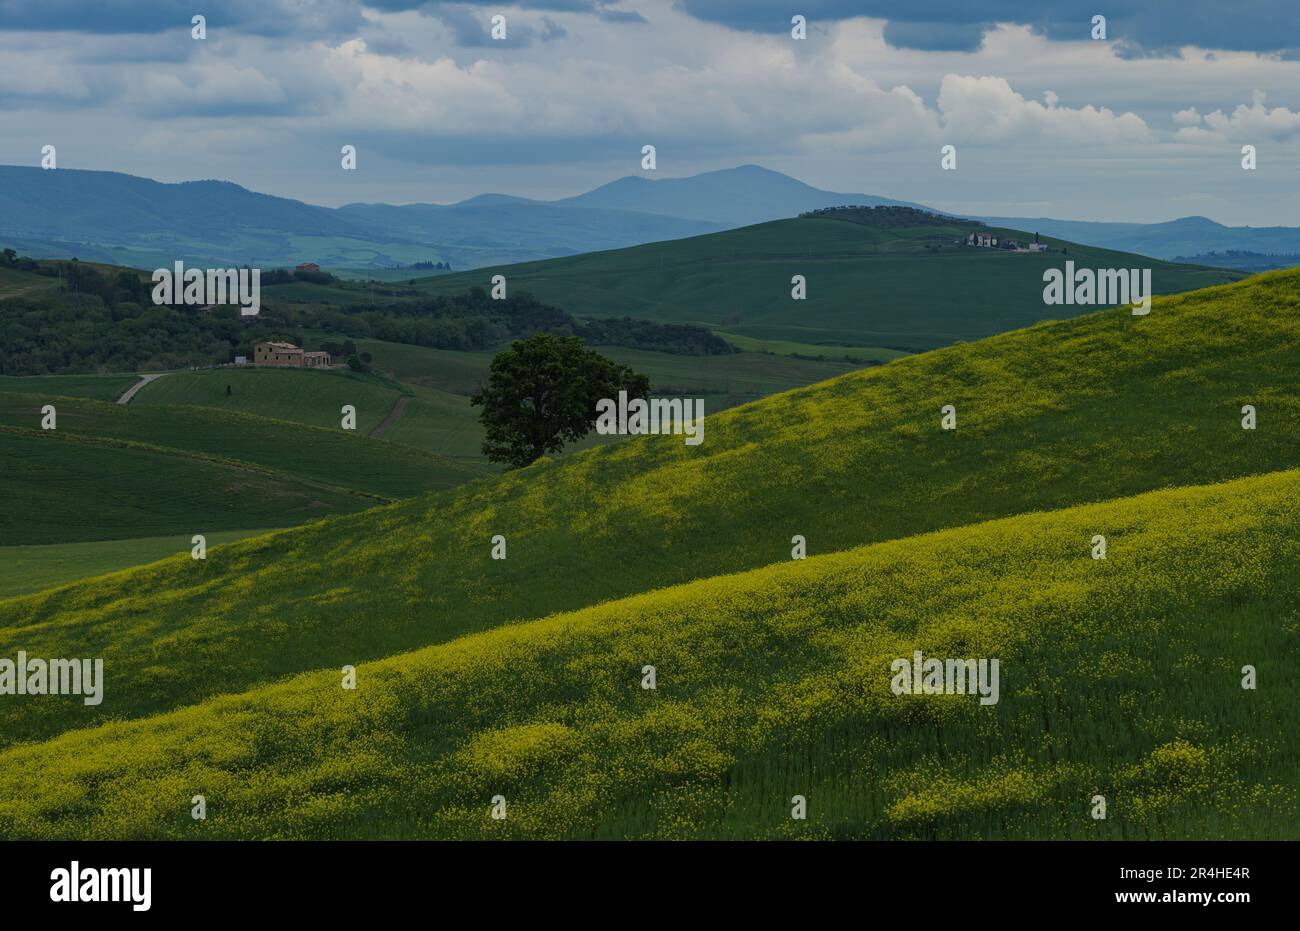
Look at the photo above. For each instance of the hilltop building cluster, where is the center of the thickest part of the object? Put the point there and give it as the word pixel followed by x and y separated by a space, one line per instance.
pixel 989 241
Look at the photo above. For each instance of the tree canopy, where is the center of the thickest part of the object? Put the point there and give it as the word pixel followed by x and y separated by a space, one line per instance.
pixel 542 393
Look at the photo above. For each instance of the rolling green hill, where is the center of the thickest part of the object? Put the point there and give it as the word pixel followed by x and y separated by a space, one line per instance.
pixel 96 387
pixel 1099 407
pixel 302 395
pixel 331 457
pixel 1118 677
pixel 438 424
pixel 114 472
pixel 447 370
pixel 726 380
pixel 27 569
pixel 60 487
pixel 439 417
pixel 911 289
pixel 311 292
pixel 444 422
pixel 785 347
pixel 16 282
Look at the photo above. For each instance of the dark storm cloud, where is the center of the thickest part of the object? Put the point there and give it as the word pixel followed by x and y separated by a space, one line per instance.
pixel 470 20
pixel 621 16
pixel 472 28
pixel 257 17
pixel 1153 27
pixel 1157 26
pixel 337 19
pixel 936 37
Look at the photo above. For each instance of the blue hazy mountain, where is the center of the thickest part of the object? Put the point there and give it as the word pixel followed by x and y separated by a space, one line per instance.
pixel 732 197
pixel 629 211
pixel 469 233
pixel 116 217
pixel 110 216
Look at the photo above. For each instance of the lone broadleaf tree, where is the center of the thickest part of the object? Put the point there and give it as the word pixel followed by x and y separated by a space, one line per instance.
pixel 542 393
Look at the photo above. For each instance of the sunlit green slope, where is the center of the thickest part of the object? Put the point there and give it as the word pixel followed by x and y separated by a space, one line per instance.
pixel 27 569
pixel 1085 410
pixel 1119 677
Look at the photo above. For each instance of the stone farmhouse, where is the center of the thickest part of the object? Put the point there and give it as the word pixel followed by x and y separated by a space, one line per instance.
pixel 288 355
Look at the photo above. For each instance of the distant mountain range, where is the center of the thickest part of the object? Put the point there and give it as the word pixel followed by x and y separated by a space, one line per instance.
pixel 1187 237
pixel 108 216
pixel 731 198
pixel 120 218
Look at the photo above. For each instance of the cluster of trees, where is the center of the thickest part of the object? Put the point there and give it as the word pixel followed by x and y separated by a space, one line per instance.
pixel 347 350
pixel 473 321
pixel 678 338
pixel 1243 260
pixel 470 321
pixel 288 276
pixel 67 332
pixel 106 321
pixel 11 259
pixel 888 217
pixel 78 278
pixel 342 350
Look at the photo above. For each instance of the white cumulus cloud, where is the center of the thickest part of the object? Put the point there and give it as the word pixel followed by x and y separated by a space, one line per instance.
pixel 988 109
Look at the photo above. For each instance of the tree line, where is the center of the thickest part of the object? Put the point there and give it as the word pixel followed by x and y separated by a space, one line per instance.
pixel 99 320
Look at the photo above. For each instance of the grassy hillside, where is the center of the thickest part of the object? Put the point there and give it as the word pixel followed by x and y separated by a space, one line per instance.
pixel 732 379
pixel 60 487
pixel 304 396
pixel 441 426
pixel 725 381
pixel 1085 410
pixel 908 289
pixel 96 387
pixel 309 291
pixel 785 347
pixel 444 422
pixel 27 569
pixel 1119 677
pixel 112 472
pixel 15 282
pixel 446 370
pixel 332 457
pixel 439 418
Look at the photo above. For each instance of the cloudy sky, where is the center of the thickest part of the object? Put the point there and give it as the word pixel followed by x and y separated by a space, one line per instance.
pixel 1146 125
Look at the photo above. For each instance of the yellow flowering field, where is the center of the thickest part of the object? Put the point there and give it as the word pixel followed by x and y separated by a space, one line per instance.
pixel 1120 678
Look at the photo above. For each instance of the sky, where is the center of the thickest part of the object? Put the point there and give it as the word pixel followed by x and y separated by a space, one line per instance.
pixel 1144 125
